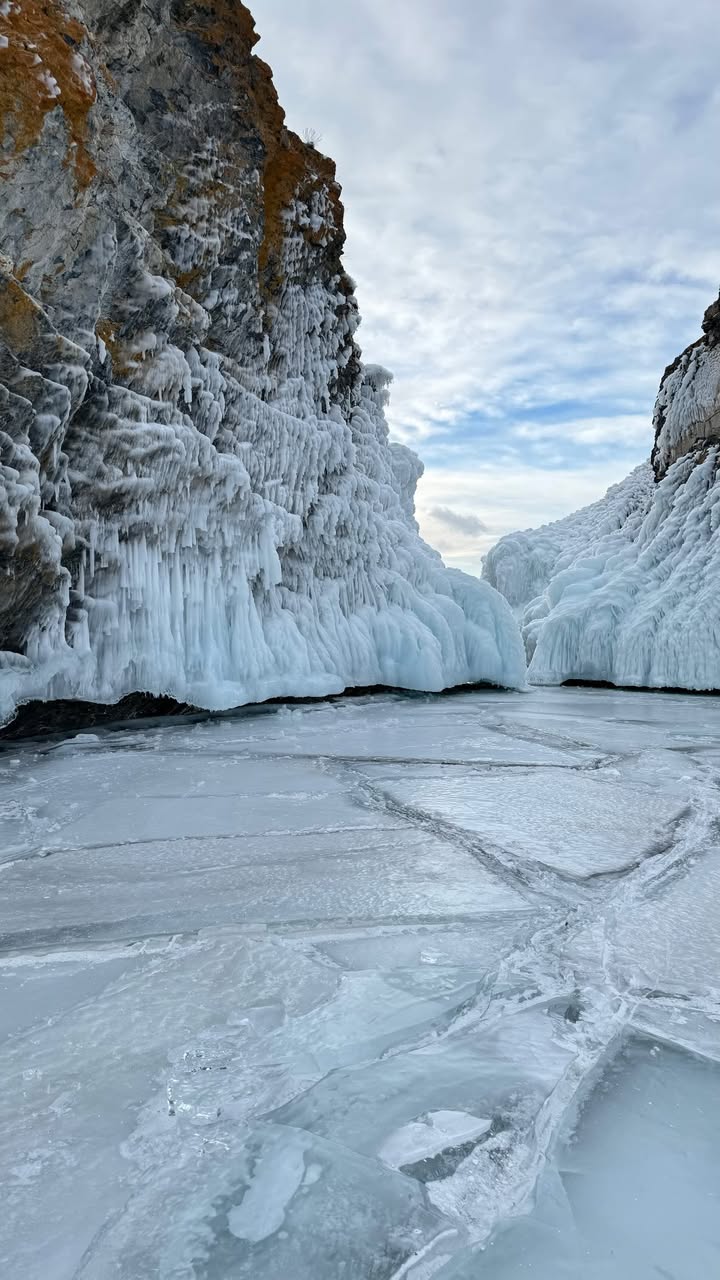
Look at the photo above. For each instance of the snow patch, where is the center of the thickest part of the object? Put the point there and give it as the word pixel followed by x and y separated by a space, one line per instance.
pixel 280 1173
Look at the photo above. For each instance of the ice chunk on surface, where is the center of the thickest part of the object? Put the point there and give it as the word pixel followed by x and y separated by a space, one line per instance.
pixel 430 1135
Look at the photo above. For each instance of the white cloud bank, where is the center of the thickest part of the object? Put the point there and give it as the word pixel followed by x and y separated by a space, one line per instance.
pixel 532 210
pixel 517 498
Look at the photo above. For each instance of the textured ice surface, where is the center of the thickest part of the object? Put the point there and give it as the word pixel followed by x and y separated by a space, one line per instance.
pixel 404 986
pixel 624 591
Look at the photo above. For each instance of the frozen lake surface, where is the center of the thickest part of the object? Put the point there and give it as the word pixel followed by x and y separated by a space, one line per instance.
pixel 390 987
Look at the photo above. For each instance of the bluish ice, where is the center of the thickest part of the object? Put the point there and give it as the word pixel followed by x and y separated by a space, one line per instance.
pixel 384 987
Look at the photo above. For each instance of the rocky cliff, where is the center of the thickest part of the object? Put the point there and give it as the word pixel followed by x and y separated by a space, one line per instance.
pixel 687 409
pixel 627 591
pixel 197 493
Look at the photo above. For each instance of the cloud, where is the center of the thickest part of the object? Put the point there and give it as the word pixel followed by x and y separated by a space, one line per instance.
pixel 630 429
pixel 530 209
pixel 460 521
pixel 504 499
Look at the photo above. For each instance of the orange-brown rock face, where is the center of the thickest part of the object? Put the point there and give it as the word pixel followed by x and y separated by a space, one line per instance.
pixel 44 69
pixel 197 495
pixel 182 115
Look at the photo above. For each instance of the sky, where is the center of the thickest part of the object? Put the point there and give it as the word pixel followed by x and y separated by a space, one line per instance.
pixel 532 198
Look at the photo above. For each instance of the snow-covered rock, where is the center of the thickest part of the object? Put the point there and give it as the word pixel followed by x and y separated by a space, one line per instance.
pixel 628 589
pixel 522 564
pixel 197 492
pixel 644 611
pixel 687 409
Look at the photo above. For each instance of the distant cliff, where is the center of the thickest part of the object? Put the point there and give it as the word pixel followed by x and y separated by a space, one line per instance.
pixel 628 590
pixel 197 494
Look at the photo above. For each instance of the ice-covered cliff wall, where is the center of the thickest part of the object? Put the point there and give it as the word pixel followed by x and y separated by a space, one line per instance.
pixel 521 565
pixel 197 493
pixel 628 590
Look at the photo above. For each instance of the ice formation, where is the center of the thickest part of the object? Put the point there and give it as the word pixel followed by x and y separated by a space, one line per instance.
pixel 388 988
pixel 628 589
pixel 197 492
pixel 522 564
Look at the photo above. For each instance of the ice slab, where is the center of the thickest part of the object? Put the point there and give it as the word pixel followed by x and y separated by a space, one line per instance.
pixel 132 819
pixel 373 1013
pixel 481 945
pixel 610 721
pixel 388 727
pixel 671 941
pixel 113 796
pixel 638 1191
pixel 579 823
pixel 301 880
pixel 682 1024
pixel 35 988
